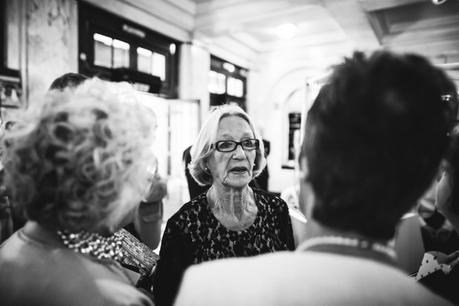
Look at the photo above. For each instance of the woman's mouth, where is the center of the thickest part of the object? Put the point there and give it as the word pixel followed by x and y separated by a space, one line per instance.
pixel 239 170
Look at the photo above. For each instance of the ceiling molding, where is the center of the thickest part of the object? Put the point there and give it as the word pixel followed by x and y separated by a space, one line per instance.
pixel 186 5
pixel 144 18
pixel 372 5
pixel 165 10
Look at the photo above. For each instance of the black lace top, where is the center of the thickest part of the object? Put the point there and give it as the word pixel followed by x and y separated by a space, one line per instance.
pixel 194 235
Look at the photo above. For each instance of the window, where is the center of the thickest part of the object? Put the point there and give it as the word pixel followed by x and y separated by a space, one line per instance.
pixel 227 83
pixel 3 45
pixel 235 87
pixel 109 52
pixel 10 81
pixel 217 82
pixel 9 38
pixel 151 62
pixel 118 49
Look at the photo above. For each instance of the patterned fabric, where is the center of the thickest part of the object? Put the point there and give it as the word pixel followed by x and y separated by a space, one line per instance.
pixel 440 273
pixel 37 270
pixel 139 258
pixel 193 235
pixel 136 254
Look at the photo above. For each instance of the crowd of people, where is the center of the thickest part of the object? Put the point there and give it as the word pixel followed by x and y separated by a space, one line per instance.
pixel 81 192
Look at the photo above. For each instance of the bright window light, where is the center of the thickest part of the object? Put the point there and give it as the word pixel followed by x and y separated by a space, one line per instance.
pixel 144 52
pixel 103 39
pixel 229 67
pixel 118 44
pixel 216 82
pixel 235 87
pixel 159 65
pixel 172 48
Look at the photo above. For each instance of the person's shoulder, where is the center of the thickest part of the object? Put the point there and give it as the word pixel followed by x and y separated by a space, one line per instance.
pixel 297 277
pixel 33 269
pixel 272 199
pixel 119 294
pixel 267 195
pixel 248 266
pixel 72 292
pixel 258 280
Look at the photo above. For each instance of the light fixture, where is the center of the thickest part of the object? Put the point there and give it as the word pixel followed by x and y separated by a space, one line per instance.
pixel 172 48
pixel 286 30
pixel 229 67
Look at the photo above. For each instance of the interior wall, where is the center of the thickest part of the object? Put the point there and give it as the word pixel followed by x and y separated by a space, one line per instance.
pixel 275 88
pixel 43 34
pixel 51 42
pixel 193 76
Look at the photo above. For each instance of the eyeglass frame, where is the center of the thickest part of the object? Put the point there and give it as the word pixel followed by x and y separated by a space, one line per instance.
pixel 238 143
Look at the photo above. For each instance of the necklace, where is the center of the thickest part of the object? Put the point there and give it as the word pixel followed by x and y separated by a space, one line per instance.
pixel 93 244
pixel 350 242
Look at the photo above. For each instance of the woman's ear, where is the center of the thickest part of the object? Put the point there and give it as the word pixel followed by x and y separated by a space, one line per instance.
pixel 444 191
pixel 204 167
pixel 306 194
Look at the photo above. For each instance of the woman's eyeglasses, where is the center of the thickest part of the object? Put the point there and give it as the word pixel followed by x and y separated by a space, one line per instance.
pixel 230 145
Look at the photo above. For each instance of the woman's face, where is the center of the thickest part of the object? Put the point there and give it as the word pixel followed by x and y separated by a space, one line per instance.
pixel 232 169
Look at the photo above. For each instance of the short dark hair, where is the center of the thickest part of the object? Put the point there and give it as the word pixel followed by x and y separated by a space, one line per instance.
pixel 68 80
pixel 452 157
pixel 374 139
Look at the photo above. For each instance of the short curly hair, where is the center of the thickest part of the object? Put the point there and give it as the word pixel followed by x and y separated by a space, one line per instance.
pixel 77 160
pixel 374 139
pixel 202 148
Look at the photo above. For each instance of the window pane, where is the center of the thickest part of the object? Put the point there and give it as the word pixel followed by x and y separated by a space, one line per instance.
pixel 221 83
pixel 159 65
pixel 216 82
pixel 102 50
pixel 120 54
pixel 235 87
pixel 144 60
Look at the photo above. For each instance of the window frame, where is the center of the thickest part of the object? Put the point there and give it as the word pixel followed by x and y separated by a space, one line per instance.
pixel 4 70
pixel 95 20
pixel 216 65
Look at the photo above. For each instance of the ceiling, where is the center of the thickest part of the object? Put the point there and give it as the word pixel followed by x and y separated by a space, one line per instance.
pixel 326 30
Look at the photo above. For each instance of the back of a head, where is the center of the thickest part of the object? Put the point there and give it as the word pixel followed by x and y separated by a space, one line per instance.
pixel 78 160
pixel 68 80
pixel 374 138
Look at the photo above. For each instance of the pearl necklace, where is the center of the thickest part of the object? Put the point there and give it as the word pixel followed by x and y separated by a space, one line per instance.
pixel 93 244
pixel 350 242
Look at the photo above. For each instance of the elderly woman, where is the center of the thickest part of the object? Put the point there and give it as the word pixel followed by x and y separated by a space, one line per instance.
pixel 230 219
pixel 76 164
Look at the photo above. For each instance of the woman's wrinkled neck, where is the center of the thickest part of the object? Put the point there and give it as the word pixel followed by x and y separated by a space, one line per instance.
pixel 230 201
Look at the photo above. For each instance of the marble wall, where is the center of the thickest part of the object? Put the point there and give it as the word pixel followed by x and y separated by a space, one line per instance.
pixel 51 42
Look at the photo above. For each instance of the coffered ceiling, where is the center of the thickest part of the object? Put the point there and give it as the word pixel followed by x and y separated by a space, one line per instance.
pixel 325 30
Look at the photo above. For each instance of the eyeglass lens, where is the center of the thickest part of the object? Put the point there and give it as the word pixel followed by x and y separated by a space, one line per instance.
pixel 230 145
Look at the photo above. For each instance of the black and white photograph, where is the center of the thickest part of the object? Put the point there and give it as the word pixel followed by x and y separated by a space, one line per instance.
pixel 229 152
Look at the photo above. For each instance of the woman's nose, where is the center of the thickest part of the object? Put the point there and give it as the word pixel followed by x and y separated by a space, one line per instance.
pixel 239 152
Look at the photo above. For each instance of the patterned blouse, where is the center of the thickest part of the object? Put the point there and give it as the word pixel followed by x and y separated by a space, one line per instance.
pixel 194 235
